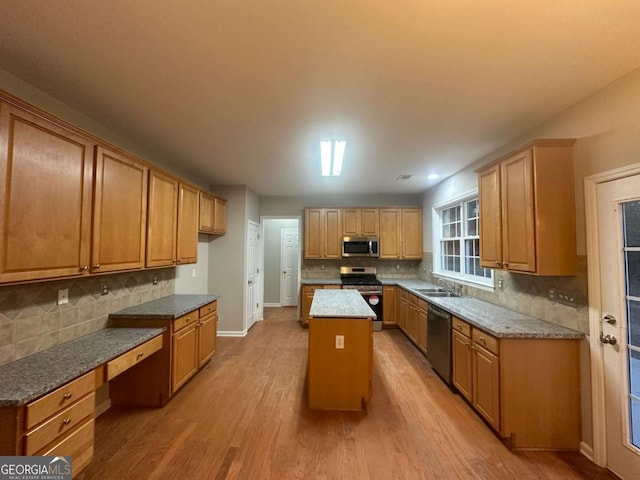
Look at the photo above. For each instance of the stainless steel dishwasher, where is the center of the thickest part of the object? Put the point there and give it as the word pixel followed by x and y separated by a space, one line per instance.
pixel 439 342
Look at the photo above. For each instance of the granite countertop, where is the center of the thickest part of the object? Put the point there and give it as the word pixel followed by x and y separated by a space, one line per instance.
pixel 498 321
pixel 320 281
pixel 340 304
pixel 31 377
pixel 166 308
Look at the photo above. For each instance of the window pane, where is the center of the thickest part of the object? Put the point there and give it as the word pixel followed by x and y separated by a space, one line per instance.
pixel 634 373
pixel 631 212
pixel 633 273
pixel 633 312
pixel 634 412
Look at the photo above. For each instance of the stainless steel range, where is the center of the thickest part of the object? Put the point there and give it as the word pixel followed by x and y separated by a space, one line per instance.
pixel 363 279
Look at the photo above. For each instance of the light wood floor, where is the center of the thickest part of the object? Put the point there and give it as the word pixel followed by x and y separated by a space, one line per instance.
pixel 244 417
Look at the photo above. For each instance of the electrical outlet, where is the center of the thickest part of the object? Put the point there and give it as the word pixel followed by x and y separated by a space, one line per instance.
pixel 552 294
pixel 63 296
pixel 500 284
pixel 105 289
pixel 398 266
pixel 339 342
pixel 155 278
pixel 565 297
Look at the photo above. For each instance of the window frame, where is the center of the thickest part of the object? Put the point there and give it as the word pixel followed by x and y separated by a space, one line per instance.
pixel 437 238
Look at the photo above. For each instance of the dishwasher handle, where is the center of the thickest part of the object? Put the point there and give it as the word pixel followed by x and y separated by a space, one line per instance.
pixel 436 312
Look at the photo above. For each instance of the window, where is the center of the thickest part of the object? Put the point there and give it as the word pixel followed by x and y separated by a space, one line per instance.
pixel 456 241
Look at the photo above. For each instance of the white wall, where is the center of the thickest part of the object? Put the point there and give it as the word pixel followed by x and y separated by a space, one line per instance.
pixel 194 278
pixel 272 256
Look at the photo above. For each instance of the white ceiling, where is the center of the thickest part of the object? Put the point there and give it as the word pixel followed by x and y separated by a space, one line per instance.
pixel 241 91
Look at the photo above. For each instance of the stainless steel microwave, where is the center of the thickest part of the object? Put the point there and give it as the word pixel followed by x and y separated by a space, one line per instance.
pixel 360 246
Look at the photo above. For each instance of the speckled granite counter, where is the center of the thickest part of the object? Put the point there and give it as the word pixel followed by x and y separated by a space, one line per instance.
pixel 498 321
pixel 320 281
pixel 170 307
pixel 33 376
pixel 340 304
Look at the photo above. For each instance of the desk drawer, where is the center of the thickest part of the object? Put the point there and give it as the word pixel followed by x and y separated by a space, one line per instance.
pixel 181 322
pixel 77 444
pixel 60 424
pixel 52 403
pixel 127 360
pixel 208 308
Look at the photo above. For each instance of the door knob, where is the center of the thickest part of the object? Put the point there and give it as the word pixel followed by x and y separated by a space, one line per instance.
pixel 610 319
pixel 610 339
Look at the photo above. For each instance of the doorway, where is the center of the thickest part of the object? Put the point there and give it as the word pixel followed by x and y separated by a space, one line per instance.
pixel 613 240
pixel 280 254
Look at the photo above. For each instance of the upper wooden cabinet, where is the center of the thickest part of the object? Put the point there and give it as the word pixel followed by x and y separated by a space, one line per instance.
pixel 527 210
pixel 119 214
pixel 213 214
pixel 322 233
pixel 188 222
pixel 360 222
pixel 162 223
pixel 401 233
pixel 46 175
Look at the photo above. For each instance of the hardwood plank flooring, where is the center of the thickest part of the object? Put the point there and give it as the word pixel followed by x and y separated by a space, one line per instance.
pixel 245 417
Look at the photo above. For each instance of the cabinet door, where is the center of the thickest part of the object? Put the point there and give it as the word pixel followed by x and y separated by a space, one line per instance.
pixel 370 222
pixel 490 217
pixel 207 209
pixel 45 198
pixel 219 216
pixel 188 219
pixel 185 355
pixel 421 330
pixel 119 213
pixel 207 331
pixel 313 233
pixel 486 385
pixel 390 219
pixel 411 233
pixel 462 364
pixel 162 221
pixel 333 237
pixel 306 297
pixel 412 323
pixel 389 305
pixel 351 222
pixel 518 214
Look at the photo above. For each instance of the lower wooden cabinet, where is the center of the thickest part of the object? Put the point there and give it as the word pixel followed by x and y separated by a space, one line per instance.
pixel 389 306
pixel 188 344
pixel 527 389
pixel 421 330
pixel 306 297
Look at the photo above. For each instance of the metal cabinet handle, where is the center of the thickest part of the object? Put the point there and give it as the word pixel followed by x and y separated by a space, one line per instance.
pixel 66 421
pixel 97 265
pixel 67 396
pixel 140 355
pixel 498 263
pixel 84 268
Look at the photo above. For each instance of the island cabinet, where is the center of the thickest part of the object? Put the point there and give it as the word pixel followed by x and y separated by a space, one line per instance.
pixel 401 233
pixel 527 212
pixel 526 389
pixel 322 233
pixel 306 297
pixel 213 214
pixel 46 181
pixel 188 344
pixel 360 222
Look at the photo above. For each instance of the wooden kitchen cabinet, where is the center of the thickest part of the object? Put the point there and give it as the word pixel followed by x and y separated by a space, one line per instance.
pixel 421 329
pixel 46 181
pixel 527 211
pixel 322 233
pixel 207 335
pixel 213 214
pixel 360 222
pixel 401 233
pixel 527 389
pixel 306 297
pixel 187 227
pixel 185 355
pixel 119 213
pixel 389 306
pixel 162 223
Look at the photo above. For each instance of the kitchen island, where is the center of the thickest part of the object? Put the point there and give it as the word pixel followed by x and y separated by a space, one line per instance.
pixel 340 357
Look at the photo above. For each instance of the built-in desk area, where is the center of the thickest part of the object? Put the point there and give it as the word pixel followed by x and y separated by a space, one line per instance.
pixel 340 358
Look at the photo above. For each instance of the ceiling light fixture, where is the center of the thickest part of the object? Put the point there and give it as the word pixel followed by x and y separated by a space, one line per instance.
pixel 432 176
pixel 331 155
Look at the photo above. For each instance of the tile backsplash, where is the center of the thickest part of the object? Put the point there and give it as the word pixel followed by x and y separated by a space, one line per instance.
pixel 31 320
pixel 385 268
pixel 529 294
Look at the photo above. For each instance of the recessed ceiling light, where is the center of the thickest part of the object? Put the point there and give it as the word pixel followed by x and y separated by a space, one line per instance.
pixel 331 155
pixel 432 176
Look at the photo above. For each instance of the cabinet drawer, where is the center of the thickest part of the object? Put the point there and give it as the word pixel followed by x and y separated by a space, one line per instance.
pixel 183 321
pixel 310 288
pixel 43 408
pixel 58 425
pixel 77 444
pixel 412 299
pixel 460 326
pixel 127 360
pixel 486 340
pixel 208 308
pixel 422 304
pixel 332 287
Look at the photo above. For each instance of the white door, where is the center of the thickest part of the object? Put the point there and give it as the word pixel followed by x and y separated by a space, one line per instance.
pixel 289 255
pixel 618 204
pixel 252 310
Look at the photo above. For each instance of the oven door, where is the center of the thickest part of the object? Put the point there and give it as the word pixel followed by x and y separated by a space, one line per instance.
pixel 374 300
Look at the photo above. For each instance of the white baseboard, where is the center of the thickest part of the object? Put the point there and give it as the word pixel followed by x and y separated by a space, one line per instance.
pixel 586 450
pixel 231 333
pixel 271 304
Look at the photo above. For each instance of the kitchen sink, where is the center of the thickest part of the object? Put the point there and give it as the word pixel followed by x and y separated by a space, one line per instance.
pixel 425 291
pixel 439 294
